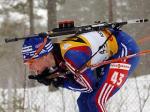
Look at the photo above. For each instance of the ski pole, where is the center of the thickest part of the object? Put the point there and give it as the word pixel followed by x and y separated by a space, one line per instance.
pixel 123 58
pixel 114 60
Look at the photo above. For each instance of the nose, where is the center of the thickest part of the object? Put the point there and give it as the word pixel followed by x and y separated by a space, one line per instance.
pixel 32 68
pixel 32 72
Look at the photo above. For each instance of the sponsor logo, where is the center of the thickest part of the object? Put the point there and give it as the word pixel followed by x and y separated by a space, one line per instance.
pixel 103 50
pixel 121 66
pixel 101 34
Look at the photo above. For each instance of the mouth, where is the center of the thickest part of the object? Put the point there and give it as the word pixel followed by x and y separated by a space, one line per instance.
pixel 35 73
pixel 39 72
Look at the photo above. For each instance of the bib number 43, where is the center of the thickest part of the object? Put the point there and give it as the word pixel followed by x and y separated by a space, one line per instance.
pixel 118 74
pixel 117 78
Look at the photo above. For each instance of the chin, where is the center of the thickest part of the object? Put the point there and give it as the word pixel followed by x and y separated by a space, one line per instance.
pixel 39 72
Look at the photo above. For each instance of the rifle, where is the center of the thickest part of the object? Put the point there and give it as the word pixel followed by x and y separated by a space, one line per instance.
pixel 67 28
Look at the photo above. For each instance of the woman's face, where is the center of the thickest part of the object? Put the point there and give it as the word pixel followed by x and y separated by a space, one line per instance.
pixel 39 65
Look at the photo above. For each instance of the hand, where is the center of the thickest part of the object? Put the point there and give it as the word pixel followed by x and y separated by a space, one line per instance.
pixel 45 81
pixel 42 78
pixel 58 82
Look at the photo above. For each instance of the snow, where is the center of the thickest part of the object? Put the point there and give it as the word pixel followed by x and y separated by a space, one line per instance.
pixel 43 14
pixel 130 98
pixel 51 102
pixel 15 16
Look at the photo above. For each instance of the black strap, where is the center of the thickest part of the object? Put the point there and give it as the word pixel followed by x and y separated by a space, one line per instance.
pixel 100 47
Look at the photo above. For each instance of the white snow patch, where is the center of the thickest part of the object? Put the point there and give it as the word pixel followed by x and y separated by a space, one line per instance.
pixel 125 100
pixel 15 16
pixel 43 14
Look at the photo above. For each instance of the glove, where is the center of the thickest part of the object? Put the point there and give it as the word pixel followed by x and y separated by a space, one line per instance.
pixel 58 82
pixel 45 81
pixel 41 78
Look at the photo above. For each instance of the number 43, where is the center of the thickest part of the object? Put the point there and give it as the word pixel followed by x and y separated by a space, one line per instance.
pixel 117 78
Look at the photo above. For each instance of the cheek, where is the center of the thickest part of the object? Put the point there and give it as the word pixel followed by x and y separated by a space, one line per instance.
pixel 41 65
pixel 34 66
pixel 31 67
pixel 46 62
pixel 37 68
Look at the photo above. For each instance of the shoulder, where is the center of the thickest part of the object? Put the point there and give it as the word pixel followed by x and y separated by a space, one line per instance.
pixel 74 45
pixel 75 51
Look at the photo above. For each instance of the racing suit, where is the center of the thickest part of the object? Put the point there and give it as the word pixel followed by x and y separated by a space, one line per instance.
pixel 97 84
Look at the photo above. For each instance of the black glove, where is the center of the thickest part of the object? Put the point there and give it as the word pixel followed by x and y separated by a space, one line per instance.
pixel 42 78
pixel 58 82
pixel 45 81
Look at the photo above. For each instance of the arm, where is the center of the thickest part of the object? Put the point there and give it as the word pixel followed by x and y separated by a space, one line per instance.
pixel 84 82
pixel 75 57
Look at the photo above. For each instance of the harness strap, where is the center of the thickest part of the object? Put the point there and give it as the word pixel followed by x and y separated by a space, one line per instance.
pixel 85 65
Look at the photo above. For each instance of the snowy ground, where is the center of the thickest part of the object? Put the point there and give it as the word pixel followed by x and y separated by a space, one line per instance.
pixel 133 97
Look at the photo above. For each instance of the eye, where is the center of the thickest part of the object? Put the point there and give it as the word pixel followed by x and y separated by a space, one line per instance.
pixel 30 62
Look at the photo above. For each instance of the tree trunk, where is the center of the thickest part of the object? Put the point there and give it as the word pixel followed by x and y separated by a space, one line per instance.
pixel 31 16
pixel 51 13
pixel 51 7
pixel 110 10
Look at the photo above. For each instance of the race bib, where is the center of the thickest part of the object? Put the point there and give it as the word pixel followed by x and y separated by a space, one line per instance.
pixel 118 74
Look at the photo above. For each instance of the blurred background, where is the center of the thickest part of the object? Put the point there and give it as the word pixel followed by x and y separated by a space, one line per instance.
pixel 23 17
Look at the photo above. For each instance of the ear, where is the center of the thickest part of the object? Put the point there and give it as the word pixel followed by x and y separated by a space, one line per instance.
pixel 45 57
pixel 50 56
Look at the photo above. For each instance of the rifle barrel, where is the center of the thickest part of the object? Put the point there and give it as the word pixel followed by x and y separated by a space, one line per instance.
pixel 81 29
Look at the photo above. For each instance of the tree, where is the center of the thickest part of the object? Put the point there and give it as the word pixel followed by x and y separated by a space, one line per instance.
pixel 31 16
pixel 51 12
pixel 110 10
